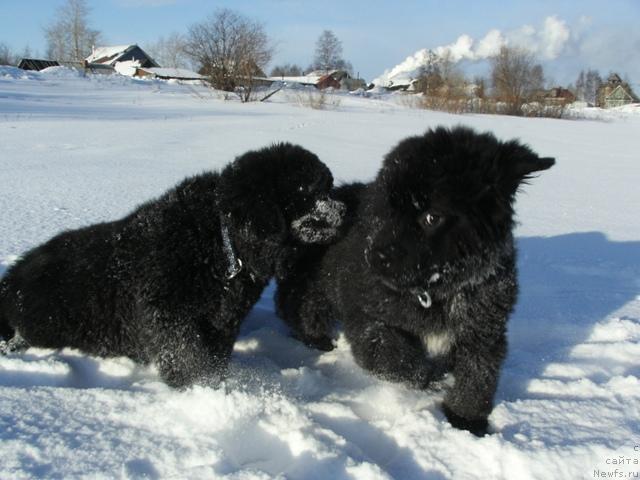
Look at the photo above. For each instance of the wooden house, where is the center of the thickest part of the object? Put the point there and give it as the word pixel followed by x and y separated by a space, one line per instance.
pixel 121 54
pixel 168 73
pixel 615 93
pixel 36 64
pixel 338 79
pixel 619 97
pixel 328 81
pixel 557 96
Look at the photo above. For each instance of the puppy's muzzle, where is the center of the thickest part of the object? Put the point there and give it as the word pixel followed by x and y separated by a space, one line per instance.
pixel 321 224
pixel 393 265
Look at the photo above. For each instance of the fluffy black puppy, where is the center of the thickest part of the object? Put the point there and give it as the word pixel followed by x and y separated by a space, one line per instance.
pixel 171 282
pixel 423 278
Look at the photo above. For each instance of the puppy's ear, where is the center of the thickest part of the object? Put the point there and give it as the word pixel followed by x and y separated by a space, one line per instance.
pixel 518 162
pixel 248 195
pixel 533 163
pixel 265 219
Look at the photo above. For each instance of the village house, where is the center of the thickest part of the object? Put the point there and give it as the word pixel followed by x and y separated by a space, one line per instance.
pixel 615 93
pixel 123 59
pixel 168 73
pixel 36 64
pixel 338 79
pixel 133 61
pixel 557 96
pixel 111 56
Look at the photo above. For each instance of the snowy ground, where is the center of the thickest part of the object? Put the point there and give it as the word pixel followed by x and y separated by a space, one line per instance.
pixel 75 151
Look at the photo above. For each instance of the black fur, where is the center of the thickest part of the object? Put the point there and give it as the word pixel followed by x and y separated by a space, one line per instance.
pixel 423 278
pixel 155 285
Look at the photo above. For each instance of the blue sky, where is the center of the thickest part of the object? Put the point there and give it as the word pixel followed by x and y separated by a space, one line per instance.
pixel 376 34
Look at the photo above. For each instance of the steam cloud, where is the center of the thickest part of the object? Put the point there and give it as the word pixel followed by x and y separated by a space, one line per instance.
pixel 548 42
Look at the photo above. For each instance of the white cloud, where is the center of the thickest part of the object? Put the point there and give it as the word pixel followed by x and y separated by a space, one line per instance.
pixel 553 38
pixel 564 50
pixel 491 44
pixel 549 41
pixel 460 50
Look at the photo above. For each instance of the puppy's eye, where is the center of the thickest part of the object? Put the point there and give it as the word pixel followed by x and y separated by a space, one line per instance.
pixel 430 221
pixel 306 189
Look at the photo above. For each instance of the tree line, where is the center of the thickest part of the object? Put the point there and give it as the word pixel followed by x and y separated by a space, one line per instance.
pixel 515 86
pixel 515 78
pixel 230 49
pixel 233 52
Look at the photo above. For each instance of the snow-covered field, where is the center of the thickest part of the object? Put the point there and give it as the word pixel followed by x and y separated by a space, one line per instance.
pixel 75 151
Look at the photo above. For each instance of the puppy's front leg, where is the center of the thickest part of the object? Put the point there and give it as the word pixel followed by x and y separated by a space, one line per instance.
pixel 391 353
pixel 308 313
pixel 192 351
pixel 476 371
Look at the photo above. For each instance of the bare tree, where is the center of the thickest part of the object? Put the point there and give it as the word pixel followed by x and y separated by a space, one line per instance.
pixel 443 85
pixel 515 77
pixel 57 48
pixel 231 49
pixel 480 84
pixel 254 54
pixel 11 57
pixel 429 78
pixel 587 86
pixel 286 70
pixel 27 53
pixel 69 37
pixel 7 57
pixel 328 55
pixel 579 87
pixel 170 51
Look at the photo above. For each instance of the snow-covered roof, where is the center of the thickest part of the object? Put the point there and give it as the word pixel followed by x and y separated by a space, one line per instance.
pixel 310 79
pixel 107 54
pixel 173 73
pixel 315 77
pixel 405 72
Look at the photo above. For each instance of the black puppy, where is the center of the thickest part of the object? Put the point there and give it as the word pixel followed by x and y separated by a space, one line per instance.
pixel 424 277
pixel 171 282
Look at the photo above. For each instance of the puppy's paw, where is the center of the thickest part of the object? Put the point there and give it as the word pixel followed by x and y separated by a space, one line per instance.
pixel 16 344
pixel 479 427
pixel 429 375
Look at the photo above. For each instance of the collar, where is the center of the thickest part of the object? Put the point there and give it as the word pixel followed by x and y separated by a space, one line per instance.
pixel 424 299
pixel 234 264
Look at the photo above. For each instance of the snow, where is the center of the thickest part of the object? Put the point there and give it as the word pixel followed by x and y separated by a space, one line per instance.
pixel 173 72
pixel 321 224
pixel 106 53
pixel 77 150
pixel 128 67
pixel 310 79
pixel 8 72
